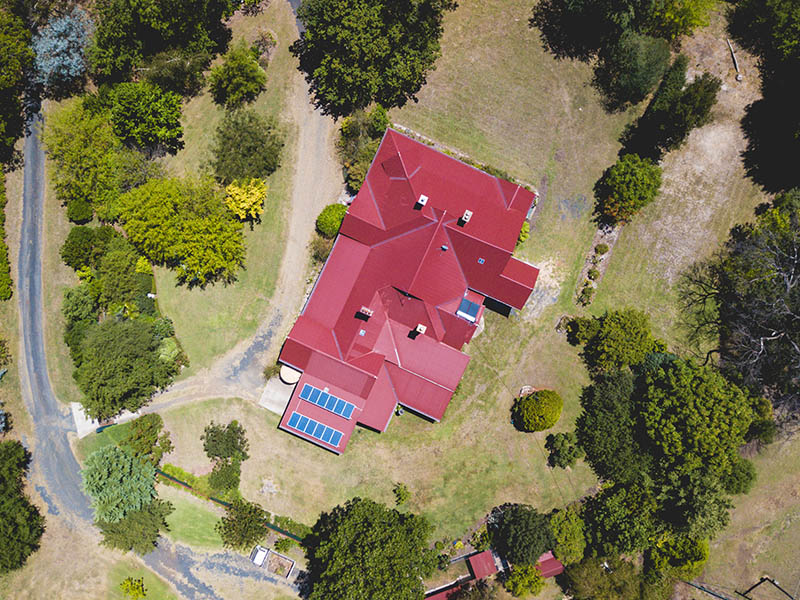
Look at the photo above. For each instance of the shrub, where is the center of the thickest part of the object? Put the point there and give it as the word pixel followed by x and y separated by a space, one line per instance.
pixel 321 248
pixel 678 557
pixel 330 220
pixel 244 524
pixel 5 267
pixel 524 580
pixel 401 493
pixel 178 70
pixel 564 449
pixel 601 249
pixel 146 117
pixel 569 540
pixel 741 477
pixel 246 199
pixel 593 274
pixel 359 138
pixel 538 411
pixel 225 441
pixel 587 294
pixel 79 211
pixel 284 544
pixel 625 188
pixel 524 233
pixel 480 539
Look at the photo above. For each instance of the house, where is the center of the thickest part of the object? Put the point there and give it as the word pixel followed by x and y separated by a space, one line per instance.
pixel 424 246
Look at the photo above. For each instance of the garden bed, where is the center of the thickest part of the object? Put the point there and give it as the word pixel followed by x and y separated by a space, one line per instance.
pixel 279 564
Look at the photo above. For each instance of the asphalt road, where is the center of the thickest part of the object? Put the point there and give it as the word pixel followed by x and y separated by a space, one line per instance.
pixel 53 462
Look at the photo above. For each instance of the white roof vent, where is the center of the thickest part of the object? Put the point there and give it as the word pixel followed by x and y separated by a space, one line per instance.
pixel 421 329
pixel 367 312
pixel 423 200
pixel 466 216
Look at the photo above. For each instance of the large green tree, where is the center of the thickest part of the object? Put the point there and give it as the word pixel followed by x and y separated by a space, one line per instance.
pixel 246 146
pixel 365 550
pixel 520 533
pixel 225 441
pixel 625 188
pixel 239 79
pixel 21 524
pixel 355 52
pixel 16 57
pixel 118 483
pixel 185 225
pixel 147 118
pixel 139 529
pixel 121 367
pixel 569 539
pixel 244 524
pixel 129 31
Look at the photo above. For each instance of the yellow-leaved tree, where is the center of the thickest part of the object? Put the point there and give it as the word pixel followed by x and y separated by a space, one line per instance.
pixel 246 199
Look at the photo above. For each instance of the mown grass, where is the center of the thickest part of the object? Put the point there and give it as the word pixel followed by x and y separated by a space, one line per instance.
pixel 211 321
pixel 94 441
pixel 193 521
pixel 157 588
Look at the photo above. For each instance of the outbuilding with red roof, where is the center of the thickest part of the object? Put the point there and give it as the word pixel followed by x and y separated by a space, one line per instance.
pixel 423 246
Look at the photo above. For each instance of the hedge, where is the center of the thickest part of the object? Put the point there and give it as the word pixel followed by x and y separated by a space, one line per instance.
pixel 6 285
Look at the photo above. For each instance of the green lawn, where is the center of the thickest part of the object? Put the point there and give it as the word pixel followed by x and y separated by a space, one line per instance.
pixel 94 441
pixel 211 321
pixel 156 588
pixel 193 521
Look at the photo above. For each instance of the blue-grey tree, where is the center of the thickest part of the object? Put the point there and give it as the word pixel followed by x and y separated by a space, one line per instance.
pixel 60 52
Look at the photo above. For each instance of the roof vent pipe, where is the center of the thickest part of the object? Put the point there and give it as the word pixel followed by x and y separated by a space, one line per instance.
pixel 421 329
pixel 423 200
pixel 466 216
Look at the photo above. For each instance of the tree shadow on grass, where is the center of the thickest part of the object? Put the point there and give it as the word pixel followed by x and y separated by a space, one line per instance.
pixel 567 29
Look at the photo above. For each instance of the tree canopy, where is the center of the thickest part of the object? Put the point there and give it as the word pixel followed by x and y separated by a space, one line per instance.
pixel 625 188
pixel 184 224
pixel 744 298
pixel 225 441
pixel 244 524
pixel 355 52
pixel 139 529
pixel 569 540
pixel 146 117
pixel 246 146
pixel 365 550
pixel 117 483
pixel 16 57
pixel 537 411
pixel 520 533
pixel 60 49
pixel 239 79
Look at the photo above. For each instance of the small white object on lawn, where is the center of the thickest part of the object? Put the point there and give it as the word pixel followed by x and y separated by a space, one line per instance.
pixel 258 555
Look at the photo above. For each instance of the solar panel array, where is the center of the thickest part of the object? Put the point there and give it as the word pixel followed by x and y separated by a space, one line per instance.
pixel 315 429
pixel 468 310
pixel 327 401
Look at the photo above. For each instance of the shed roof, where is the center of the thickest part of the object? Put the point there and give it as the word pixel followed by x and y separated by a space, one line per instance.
pixel 482 564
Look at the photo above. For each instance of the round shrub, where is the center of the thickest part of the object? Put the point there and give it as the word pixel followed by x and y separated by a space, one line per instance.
pixel 538 411
pixel 601 249
pixel 330 219
pixel 593 274
pixel 79 211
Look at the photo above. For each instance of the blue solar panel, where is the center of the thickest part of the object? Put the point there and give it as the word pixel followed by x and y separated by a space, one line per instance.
pixel 301 424
pixel 326 435
pixel 337 437
pixel 315 429
pixel 468 309
pixel 294 419
pixel 318 431
pixel 311 426
pixel 327 401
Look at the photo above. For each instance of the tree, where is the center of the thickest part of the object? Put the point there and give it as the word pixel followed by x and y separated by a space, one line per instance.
pixel 16 57
pixel 129 32
pixel 117 483
pixel 569 541
pixel 143 439
pixel 85 246
pixel 363 549
pixel 116 274
pixel 477 590
pixel 225 441
pixel 244 524
pixel 625 188
pixel 564 449
pixel 520 533
pixel 741 477
pixel 133 588
pixel 537 411
pixel 694 419
pixel 591 580
pixel 524 580
pixel 225 475
pixel 246 146
pixel 177 70
pixel 147 118
pixel 6 285
pixel 139 529
pixel 330 220
pixel 184 224
pixel 84 150
pixel 678 556
pixel 239 79
pixel 359 138
pixel 743 300
pixel 21 526
pixel 60 49
pixel 120 367
pixel 621 520
pixel 629 69
pixel 673 18
pixel 617 339
pixel 355 52
pixel 246 200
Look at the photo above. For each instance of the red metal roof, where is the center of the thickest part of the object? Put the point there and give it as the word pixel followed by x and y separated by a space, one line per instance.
pixel 549 565
pixel 482 564
pixel 398 264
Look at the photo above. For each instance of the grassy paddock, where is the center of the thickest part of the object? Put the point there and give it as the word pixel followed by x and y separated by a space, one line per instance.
pixel 211 321
pixel 193 521
pixel 157 588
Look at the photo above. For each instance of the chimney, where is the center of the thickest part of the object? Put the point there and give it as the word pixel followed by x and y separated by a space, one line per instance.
pixel 367 312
